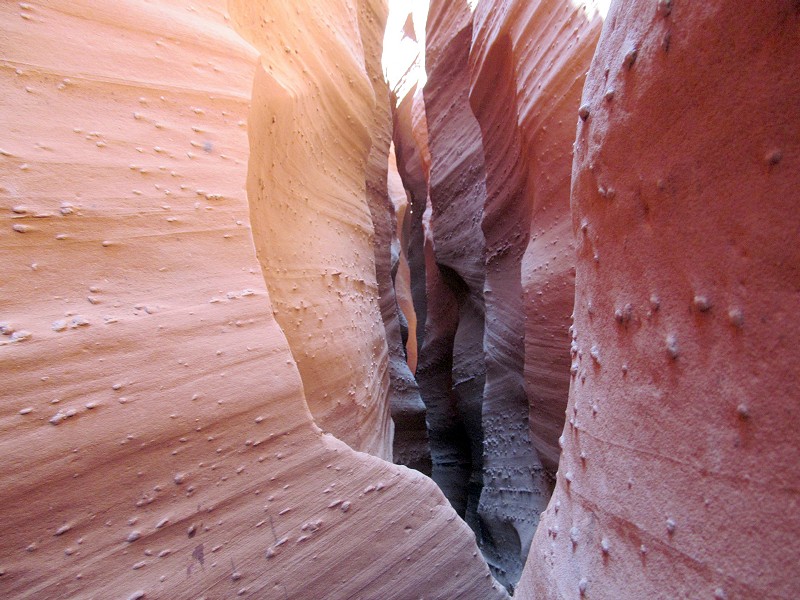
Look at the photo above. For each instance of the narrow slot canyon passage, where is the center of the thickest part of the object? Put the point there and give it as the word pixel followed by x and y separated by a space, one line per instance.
pixel 399 299
pixel 465 154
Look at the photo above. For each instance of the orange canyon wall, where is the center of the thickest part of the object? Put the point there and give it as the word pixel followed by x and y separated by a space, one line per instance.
pixel 155 429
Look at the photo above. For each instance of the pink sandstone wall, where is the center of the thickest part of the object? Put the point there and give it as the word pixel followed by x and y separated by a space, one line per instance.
pixel 155 435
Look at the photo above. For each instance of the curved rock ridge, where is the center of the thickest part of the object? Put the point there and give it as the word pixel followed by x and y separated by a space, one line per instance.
pixel 527 64
pixel 313 126
pixel 436 308
pixel 155 438
pixel 503 78
pixel 407 410
pixel 679 467
pixel 451 362
pixel 551 45
pixel 515 489
pixel 411 447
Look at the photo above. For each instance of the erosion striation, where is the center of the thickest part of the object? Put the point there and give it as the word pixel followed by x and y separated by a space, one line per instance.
pixel 504 83
pixel 527 63
pixel 570 293
pixel 454 357
pixel 155 434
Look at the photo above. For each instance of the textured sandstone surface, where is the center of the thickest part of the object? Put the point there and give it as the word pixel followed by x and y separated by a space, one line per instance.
pixel 504 84
pixel 679 472
pixel 174 383
pixel 527 64
pixel 411 446
pixel 155 436
pixel 313 128
pixel 454 358
pixel 407 315
pixel 407 408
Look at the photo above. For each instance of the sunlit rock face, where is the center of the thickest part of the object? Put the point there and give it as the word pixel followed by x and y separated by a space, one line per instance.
pixel 316 120
pixel 680 464
pixel 156 439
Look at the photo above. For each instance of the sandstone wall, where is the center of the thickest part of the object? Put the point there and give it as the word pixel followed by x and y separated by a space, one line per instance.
pixel 452 445
pixel 155 437
pixel 527 65
pixel 504 83
pixel 310 213
pixel 553 45
pixel 164 411
pixel 457 192
pixel 678 473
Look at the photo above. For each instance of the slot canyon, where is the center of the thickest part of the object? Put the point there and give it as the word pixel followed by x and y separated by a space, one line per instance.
pixel 400 299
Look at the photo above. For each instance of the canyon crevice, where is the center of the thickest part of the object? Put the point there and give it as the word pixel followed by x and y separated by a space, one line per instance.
pixel 261 281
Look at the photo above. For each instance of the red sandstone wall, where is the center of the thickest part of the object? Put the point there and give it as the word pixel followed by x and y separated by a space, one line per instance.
pixel 451 366
pixel 679 467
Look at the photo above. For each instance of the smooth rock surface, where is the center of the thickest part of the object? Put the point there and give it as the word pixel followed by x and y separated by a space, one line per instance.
pixel 312 133
pixel 155 437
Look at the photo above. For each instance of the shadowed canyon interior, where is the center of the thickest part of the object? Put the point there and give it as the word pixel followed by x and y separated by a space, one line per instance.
pixel 359 299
